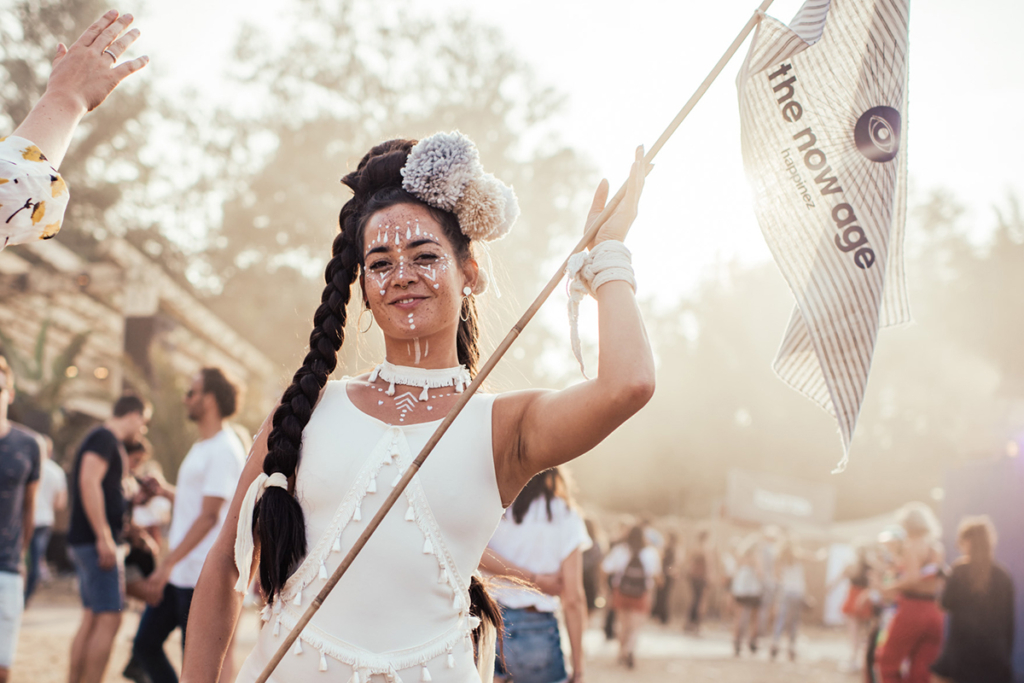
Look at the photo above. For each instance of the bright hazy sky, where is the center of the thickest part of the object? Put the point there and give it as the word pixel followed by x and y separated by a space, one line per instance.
pixel 627 68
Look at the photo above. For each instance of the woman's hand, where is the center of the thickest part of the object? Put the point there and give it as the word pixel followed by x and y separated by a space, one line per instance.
pixel 85 74
pixel 618 224
pixel 81 79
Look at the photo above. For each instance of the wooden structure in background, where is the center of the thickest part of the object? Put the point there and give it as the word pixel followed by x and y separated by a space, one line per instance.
pixel 131 306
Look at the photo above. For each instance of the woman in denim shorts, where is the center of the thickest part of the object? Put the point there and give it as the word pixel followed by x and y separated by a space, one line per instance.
pixel 540 542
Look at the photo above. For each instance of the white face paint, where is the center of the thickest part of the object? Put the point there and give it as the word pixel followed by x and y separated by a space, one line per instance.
pixel 411 278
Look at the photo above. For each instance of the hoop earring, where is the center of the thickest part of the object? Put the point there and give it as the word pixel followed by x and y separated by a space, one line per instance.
pixel 464 313
pixel 359 322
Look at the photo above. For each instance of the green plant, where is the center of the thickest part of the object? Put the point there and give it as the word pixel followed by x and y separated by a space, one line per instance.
pixel 42 385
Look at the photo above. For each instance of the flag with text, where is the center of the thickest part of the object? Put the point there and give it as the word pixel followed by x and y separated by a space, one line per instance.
pixel 823 126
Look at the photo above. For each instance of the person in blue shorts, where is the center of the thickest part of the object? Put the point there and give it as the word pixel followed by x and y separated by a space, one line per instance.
pixel 95 535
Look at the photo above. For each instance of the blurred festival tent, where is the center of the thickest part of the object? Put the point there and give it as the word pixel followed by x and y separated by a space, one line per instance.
pixel 132 309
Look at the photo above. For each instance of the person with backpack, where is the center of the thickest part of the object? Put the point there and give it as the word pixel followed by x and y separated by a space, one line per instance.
pixel 633 567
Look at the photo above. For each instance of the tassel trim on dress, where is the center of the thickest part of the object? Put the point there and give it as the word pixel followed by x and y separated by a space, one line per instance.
pixel 366 664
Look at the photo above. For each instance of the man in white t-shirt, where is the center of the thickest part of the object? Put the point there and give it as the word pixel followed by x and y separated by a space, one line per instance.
pixel 206 481
pixel 51 496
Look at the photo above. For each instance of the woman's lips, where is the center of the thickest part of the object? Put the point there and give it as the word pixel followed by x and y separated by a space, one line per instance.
pixel 407 303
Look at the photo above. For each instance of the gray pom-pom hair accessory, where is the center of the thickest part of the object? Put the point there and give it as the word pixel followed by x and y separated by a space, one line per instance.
pixel 444 171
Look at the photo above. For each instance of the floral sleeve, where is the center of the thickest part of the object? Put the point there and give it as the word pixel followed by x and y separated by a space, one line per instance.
pixel 33 196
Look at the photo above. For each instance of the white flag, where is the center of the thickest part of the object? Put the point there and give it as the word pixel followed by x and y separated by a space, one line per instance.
pixel 823 124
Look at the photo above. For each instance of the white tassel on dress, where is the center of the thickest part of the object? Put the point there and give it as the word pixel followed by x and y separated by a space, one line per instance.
pixel 373 378
pixel 391 389
pixel 442 576
pixel 425 674
pixel 357 515
pixel 451 660
pixel 298 646
pixel 425 394
pixel 336 546
pixel 410 515
pixel 355 676
pixel 428 549
pixel 372 486
pixel 323 661
pixel 398 478
pixel 323 571
pixel 298 599
pixel 277 627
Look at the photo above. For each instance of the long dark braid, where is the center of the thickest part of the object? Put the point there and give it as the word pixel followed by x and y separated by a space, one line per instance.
pixel 279 522
pixel 376 184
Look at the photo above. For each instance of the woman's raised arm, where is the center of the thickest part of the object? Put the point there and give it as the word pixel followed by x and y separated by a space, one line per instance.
pixel 535 430
pixel 215 603
pixel 82 77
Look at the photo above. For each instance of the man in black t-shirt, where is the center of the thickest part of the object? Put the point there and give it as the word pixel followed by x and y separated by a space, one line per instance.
pixel 19 477
pixel 97 520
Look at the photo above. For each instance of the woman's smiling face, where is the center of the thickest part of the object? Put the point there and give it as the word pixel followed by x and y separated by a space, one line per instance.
pixel 412 279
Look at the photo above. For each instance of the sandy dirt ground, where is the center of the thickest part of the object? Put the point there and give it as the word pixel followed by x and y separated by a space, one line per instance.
pixel 664 653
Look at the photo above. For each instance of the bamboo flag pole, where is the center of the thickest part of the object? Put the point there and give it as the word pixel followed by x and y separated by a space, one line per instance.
pixel 514 333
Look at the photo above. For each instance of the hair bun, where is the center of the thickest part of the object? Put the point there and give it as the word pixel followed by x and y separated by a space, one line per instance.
pixel 379 169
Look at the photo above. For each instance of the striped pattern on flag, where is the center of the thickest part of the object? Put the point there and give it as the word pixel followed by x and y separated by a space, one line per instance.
pixel 805 91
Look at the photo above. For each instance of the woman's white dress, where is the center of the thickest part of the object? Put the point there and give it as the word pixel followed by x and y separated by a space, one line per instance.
pixel 401 612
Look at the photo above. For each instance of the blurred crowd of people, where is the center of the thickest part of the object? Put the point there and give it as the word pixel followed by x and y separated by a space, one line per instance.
pixel 130 533
pixel 899 591
pixel 552 570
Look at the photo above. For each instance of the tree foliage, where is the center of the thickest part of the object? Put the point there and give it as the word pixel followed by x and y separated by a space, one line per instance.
pixel 350 75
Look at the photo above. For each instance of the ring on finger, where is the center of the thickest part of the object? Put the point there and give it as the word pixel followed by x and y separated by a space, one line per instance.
pixel 112 55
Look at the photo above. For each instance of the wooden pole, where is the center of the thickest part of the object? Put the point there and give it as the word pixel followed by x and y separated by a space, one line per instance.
pixel 516 330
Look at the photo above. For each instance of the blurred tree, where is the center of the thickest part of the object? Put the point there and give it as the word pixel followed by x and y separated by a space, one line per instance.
pixel 41 384
pixel 346 76
pixel 946 389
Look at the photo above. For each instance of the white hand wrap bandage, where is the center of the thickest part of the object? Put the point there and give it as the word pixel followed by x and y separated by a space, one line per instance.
pixel 243 535
pixel 587 271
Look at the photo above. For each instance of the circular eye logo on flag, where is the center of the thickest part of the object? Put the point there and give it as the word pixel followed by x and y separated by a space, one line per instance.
pixel 877 134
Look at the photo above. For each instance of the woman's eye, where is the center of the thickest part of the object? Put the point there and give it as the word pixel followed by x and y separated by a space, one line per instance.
pixel 427 258
pixel 378 266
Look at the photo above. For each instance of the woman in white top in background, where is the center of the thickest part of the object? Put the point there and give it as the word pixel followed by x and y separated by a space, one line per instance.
pixel 634 567
pixel 747 590
pixel 540 535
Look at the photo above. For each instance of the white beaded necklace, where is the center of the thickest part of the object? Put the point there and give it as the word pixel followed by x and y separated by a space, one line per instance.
pixel 457 377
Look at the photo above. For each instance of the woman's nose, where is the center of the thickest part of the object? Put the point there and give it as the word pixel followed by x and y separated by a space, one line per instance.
pixel 405 275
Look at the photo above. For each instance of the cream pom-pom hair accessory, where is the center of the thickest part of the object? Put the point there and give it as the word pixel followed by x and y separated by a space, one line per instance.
pixel 444 171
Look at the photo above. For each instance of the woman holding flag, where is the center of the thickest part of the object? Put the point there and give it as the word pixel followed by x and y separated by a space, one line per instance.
pixel 408 607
